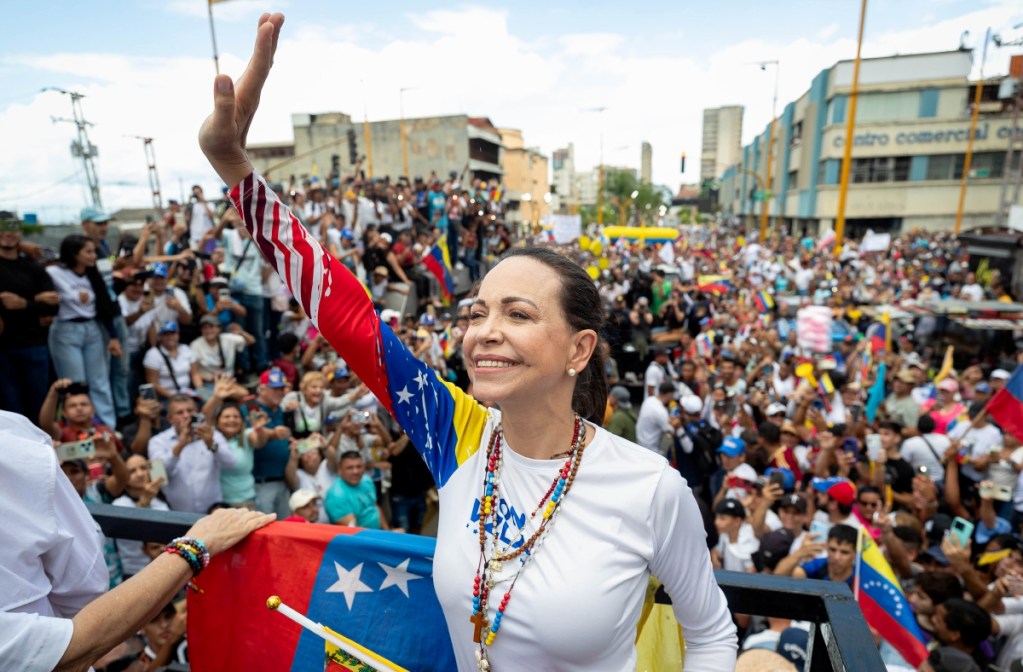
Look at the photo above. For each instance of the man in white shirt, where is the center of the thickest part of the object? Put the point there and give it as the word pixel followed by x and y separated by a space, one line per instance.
pixel 193 454
pixel 215 352
pixel 979 440
pixel 200 217
pixel 971 291
pixel 170 304
pixel 927 449
pixel 653 420
pixel 658 371
pixel 736 541
pixel 50 553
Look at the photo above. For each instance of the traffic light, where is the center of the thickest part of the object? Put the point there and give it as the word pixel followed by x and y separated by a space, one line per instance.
pixel 353 151
pixel 683 168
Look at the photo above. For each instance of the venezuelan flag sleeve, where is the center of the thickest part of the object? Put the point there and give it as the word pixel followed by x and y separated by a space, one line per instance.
pixel 443 422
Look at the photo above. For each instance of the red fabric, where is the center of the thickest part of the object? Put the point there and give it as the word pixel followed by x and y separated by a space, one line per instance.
pixel 908 646
pixel 235 588
pixel 1007 411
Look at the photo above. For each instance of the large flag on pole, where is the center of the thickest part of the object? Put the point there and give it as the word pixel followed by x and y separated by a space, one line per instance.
pixel 438 263
pixel 373 587
pixel 883 603
pixel 1006 407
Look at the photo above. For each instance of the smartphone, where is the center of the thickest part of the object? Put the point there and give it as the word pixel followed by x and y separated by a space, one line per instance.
pixel 224 294
pixel 873 446
pixel 819 530
pixel 778 478
pixel 850 445
pixel 306 445
pixel 198 419
pixel 999 493
pixel 856 412
pixel 157 469
pixel 147 392
pixel 76 450
pixel 922 470
pixel 962 529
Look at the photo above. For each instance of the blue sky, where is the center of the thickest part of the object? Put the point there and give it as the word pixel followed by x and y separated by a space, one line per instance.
pixel 146 68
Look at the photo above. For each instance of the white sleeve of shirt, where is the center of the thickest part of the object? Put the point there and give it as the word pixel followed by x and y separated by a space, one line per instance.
pixel 182 298
pixel 33 643
pixel 683 565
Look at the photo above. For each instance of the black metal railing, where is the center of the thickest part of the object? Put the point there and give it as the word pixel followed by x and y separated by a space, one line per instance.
pixel 839 641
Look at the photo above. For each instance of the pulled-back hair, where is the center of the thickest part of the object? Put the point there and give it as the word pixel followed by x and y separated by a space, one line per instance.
pixel 582 307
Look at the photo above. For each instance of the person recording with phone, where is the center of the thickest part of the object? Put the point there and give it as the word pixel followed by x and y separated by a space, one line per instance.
pixel 143 492
pixel 193 453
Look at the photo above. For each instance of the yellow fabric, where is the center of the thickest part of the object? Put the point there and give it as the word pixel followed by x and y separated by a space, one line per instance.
pixel 365 655
pixel 660 646
pixel 469 419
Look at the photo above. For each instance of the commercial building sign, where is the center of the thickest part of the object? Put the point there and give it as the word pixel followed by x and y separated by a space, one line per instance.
pixel 946 136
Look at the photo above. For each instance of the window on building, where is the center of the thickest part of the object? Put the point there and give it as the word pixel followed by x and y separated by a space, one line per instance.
pixel 945 167
pixel 793 179
pixel 796 134
pixel 880 169
pixel 900 172
pixel 888 106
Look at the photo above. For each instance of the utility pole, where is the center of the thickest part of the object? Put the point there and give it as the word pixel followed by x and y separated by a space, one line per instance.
pixel 850 130
pixel 154 177
pixel 82 148
pixel 770 148
pixel 1013 168
pixel 968 159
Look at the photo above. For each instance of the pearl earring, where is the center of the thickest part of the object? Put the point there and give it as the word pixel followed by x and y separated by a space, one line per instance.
pixel 571 372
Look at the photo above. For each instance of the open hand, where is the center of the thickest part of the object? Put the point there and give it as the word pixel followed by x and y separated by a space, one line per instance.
pixel 224 528
pixel 222 136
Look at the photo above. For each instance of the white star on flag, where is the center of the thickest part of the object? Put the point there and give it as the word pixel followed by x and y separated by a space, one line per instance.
pixel 349 583
pixel 398 576
pixel 404 395
pixel 421 379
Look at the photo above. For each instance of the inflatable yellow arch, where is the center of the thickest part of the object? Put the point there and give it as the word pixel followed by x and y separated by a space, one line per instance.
pixel 643 233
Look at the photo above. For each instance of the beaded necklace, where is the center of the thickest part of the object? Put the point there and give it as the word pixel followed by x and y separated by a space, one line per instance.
pixel 550 503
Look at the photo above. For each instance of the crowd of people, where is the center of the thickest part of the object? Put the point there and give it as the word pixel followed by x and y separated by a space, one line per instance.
pixel 187 379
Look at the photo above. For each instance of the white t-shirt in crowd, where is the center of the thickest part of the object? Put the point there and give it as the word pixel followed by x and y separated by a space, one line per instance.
pixel 207 355
pixel 161 313
pixel 655 375
pixel 320 483
pixel 180 363
pixel 77 298
pixel 200 223
pixel 137 329
pixel 985 440
pixel 915 451
pixel 738 557
pixel 652 423
pixel 133 560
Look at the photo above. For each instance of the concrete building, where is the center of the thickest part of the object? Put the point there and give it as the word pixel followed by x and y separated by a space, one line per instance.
pixel 327 142
pixel 646 158
pixel 722 141
pixel 912 128
pixel 562 178
pixel 526 186
pixel 587 183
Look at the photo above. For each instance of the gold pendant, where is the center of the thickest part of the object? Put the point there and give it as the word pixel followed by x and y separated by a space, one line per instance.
pixel 496 566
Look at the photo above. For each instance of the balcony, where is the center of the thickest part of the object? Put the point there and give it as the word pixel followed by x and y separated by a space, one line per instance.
pixel 839 638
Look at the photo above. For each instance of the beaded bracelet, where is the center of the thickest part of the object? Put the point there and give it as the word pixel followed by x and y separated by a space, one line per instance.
pixel 192 551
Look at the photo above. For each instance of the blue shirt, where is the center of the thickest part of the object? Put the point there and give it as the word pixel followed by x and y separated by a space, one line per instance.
pixel 439 203
pixel 270 460
pixel 344 500
pixel 818 569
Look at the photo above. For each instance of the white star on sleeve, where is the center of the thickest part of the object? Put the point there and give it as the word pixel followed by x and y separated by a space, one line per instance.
pixel 349 583
pixel 398 576
pixel 404 395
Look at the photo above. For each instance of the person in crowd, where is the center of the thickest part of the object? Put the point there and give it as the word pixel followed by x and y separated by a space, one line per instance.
pixel 735 479
pixel 193 453
pixel 271 460
pixel 83 335
pixel 659 371
pixel 142 492
pixel 137 307
pixel 533 335
pixel 215 352
pixel 352 499
pixel 736 541
pixel 28 304
pixel 245 264
pixel 900 405
pixel 838 565
pixel 925 451
pixel 655 422
pixel 171 304
pixel 945 409
pixel 170 366
pixel 200 218
pixel 305 507
pixel 306 409
pixel 623 417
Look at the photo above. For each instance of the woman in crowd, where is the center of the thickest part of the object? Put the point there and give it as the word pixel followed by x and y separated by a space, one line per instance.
pixel 944 409
pixel 532 349
pixel 306 409
pixel 83 333
pixel 237 484
pixel 170 367
pixel 141 492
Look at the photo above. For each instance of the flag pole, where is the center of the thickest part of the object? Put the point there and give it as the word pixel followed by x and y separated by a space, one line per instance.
pixel 859 561
pixel 274 604
pixel 213 36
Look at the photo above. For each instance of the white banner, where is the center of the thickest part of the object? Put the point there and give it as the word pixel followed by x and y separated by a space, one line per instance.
pixel 566 228
pixel 875 242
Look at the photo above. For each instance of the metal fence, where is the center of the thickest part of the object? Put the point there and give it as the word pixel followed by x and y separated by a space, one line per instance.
pixel 839 638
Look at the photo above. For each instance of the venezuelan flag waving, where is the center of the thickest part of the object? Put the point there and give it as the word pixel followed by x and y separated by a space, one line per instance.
pixel 438 263
pixel 884 605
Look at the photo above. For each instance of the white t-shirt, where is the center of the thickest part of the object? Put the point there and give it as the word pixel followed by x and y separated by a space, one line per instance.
pixel 207 355
pixel 738 557
pixel 629 514
pixel 200 223
pixel 984 440
pixel 137 329
pixel 655 375
pixel 133 560
pixel 72 288
pixel 181 365
pixel 319 483
pixel 161 313
pixel 915 451
pixel 51 556
pixel 652 423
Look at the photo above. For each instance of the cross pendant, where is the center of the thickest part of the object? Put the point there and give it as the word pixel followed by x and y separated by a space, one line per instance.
pixel 480 621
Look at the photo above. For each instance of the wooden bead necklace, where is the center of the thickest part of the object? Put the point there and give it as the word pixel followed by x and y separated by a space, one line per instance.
pixel 485 632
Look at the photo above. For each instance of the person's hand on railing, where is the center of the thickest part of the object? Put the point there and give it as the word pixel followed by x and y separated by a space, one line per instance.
pixel 224 528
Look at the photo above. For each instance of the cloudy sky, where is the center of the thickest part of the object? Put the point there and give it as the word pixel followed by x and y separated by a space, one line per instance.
pixel 146 69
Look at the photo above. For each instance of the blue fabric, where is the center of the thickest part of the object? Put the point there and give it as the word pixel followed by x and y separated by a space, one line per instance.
pixel 24 379
pixel 818 569
pixel 270 460
pixel 343 500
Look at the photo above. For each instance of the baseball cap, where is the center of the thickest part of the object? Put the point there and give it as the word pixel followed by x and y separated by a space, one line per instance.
pixel 380 270
pixel 347 234
pixel 730 507
pixel 623 396
pixel 692 404
pixel 776 408
pixel 387 237
pixel 159 270
pixel 838 489
pixel 272 378
pixel 774 546
pixel 732 446
pixel 427 319
pixel 300 498
pixel 792 645
pixel 1000 374
pixel 90 214
pixel 982 387
pixel 387 315
pixel 169 327
pixel 949 385
pixel 796 501
pixel 210 319
pixel 935 553
pixel 790 427
pixel 790 478
pixel 906 376
pixel 340 372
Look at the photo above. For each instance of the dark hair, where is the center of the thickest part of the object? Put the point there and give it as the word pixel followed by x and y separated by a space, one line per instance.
pixel 971 622
pixel 890 425
pixel 349 455
pixel 843 534
pixel 227 406
pixel 106 308
pixel 868 489
pixel 583 309
pixel 286 342
pixel 180 398
pixel 908 536
pixel 769 432
pixel 925 425
pixel 939 586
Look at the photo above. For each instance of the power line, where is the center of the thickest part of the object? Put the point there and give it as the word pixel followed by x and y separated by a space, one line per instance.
pixel 70 177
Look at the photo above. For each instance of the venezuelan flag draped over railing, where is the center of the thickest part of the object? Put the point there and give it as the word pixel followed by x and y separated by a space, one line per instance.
pixel 883 603
pixel 438 263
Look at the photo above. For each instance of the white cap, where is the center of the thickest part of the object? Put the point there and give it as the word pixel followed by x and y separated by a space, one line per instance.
pixel 775 408
pixel 692 404
pixel 387 315
pixel 300 498
pixel 1001 374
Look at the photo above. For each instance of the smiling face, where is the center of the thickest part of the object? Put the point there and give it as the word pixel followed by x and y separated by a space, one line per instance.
pixel 138 471
pixel 518 344
pixel 230 422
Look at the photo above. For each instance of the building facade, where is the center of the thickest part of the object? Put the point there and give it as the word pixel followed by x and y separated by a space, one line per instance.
pixel 562 178
pixel 526 186
pixel 722 141
pixel 646 161
pixel 911 135
pixel 332 143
